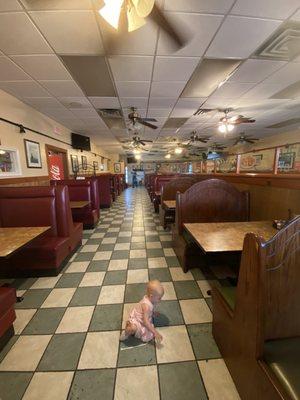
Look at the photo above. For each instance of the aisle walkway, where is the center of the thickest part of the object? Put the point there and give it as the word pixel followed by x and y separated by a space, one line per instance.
pixel 67 330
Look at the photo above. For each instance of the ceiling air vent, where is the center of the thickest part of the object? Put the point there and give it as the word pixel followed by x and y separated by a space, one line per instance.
pixel 284 44
pixel 110 112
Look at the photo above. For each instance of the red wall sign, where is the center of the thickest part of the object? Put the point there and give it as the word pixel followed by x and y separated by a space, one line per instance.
pixel 56 167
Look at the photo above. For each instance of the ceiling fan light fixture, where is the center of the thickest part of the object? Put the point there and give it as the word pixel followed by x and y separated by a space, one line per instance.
pixel 168 156
pixel 226 128
pixel 111 12
pixel 137 156
pixel 136 151
pixel 178 150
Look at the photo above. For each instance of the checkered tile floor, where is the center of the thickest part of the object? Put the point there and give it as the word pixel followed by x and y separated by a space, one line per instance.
pixel 67 345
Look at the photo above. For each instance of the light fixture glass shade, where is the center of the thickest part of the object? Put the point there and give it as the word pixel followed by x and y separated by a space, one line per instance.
pixel 136 151
pixel 226 128
pixel 134 20
pixel 168 155
pixel 111 12
pixel 2 151
pixel 138 156
pixel 178 150
pixel 143 7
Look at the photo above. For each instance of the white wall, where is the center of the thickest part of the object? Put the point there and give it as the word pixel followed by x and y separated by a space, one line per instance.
pixel 16 111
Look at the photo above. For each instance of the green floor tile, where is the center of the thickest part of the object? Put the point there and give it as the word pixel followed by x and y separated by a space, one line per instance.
pixel 120 254
pixel 123 239
pixel 33 298
pixel 162 274
pixel 115 278
pixel 85 296
pixel 137 263
pixel 111 234
pixel 152 238
pixel 209 303
pixel 94 242
pixel 155 253
pixel 106 247
pixel 169 314
pixel 44 322
pixel 93 385
pixel 166 245
pixel 7 347
pixel 23 283
pixel 62 353
pixel 137 246
pixel 172 262
pixel 203 342
pixel 84 256
pixel 187 290
pixel 181 381
pixel 135 292
pixel 197 274
pixel 133 352
pixel 13 384
pixel 107 317
pixel 97 266
pixel 71 280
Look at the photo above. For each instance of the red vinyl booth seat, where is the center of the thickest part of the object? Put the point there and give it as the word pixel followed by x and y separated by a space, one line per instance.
pixel 104 188
pixel 84 190
pixel 7 314
pixel 39 206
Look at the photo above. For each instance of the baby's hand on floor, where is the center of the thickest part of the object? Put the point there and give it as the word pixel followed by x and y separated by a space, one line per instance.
pixel 158 338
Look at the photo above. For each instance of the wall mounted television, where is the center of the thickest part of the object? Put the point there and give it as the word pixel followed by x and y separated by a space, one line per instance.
pixel 81 142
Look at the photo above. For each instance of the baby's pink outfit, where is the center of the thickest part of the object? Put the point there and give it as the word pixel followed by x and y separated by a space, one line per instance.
pixel 136 318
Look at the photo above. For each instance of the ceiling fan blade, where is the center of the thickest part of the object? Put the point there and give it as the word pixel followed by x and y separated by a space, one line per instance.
pixel 142 143
pixel 141 121
pixel 158 17
pixel 149 119
pixel 147 141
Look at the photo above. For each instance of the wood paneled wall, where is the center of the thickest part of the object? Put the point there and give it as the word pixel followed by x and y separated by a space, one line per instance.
pixel 28 181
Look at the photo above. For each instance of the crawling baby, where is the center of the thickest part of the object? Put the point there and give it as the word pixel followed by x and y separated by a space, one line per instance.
pixel 140 322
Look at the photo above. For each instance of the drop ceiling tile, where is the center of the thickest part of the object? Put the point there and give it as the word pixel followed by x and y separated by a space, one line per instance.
pixel 93 122
pixel 85 113
pixel 190 103
pixel 174 68
pixel 133 89
pixel 105 102
pixel 199 6
pixel 183 112
pixel 131 68
pixel 198 30
pixel 263 91
pixel 24 89
pixel 63 88
pixel 18 35
pixel 43 67
pixel 42 102
pixel 288 74
pixel 255 70
pixel 161 102
pixel 70 32
pixel 159 112
pixel 9 5
pixel 296 16
pixel 75 102
pixel 167 89
pixel 57 4
pixel 251 33
pixel 11 72
pixel 282 9
pixel 140 42
pixel 138 102
pixel 231 90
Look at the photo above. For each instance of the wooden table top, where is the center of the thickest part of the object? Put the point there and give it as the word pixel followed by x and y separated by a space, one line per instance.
pixel 12 239
pixel 170 204
pixel 79 204
pixel 227 236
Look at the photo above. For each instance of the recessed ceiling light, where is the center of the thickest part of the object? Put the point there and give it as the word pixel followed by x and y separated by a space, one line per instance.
pixel 208 75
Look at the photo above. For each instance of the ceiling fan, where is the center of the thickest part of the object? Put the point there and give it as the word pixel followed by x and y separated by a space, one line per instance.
pixel 137 142
pixel 245 139
pixel 226 123
pixel 195 138
pixel 216 147
pixel 135 117
pixel 130 15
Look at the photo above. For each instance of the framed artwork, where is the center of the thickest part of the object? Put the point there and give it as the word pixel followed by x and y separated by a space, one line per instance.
pixel 84 163
pixel 117 168
pixel 9 162
pixel 289 159
pixel 74 163
pixel 262 162
pixel 95 165
pixel 33 154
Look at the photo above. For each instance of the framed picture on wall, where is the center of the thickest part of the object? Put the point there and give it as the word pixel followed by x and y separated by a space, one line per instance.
pixel 95 165
pixel 117 168
pixel 74 163
pixel 33 154
pixel 84 163
pixel 9 162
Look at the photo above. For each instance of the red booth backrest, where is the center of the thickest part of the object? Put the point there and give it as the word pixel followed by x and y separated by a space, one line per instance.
pixel 36 206
pixel 211 200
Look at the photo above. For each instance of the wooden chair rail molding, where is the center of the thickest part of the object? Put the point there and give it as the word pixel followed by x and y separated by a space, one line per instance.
pixel 26 181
